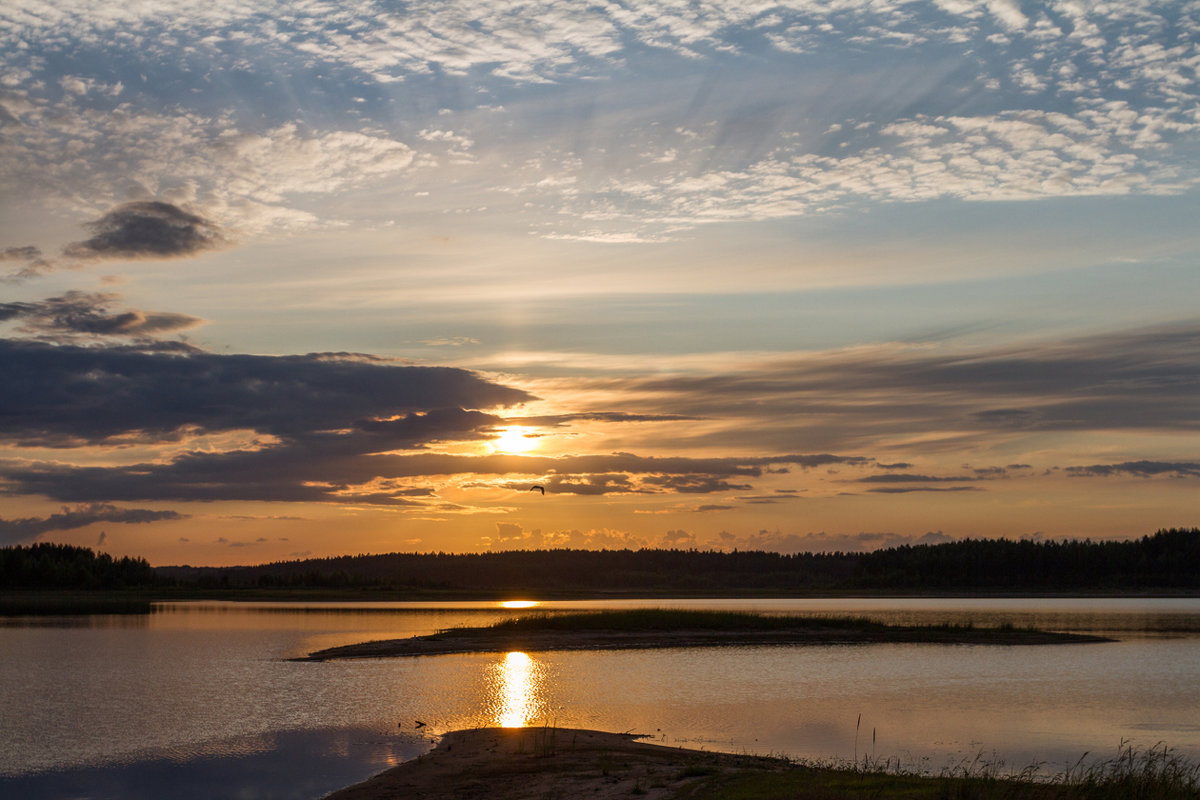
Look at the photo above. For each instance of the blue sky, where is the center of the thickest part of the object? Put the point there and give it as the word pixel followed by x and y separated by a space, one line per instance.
pixel 708 271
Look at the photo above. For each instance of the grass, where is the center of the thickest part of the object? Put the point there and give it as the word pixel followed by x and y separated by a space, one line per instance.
pixel 1155 773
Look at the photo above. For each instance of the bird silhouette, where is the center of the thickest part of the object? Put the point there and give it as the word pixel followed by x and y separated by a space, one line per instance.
pixel 541 489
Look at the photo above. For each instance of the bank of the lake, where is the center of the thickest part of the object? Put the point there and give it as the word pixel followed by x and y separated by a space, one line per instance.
pixel 522 763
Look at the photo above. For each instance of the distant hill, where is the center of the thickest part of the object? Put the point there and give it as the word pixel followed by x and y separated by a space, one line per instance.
pixel 1167 560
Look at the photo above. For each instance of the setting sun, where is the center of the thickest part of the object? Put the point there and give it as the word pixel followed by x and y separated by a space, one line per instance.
pixel 515 439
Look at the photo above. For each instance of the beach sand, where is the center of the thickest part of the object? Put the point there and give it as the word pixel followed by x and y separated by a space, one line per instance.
pixel 525 763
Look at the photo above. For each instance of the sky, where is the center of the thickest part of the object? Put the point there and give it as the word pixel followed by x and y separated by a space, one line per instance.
pixel 294 279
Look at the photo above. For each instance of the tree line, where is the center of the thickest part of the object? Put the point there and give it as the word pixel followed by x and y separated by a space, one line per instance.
pixel 1168 559
pixel 64 566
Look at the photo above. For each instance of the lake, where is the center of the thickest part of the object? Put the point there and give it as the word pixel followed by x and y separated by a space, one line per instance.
pixel 199 699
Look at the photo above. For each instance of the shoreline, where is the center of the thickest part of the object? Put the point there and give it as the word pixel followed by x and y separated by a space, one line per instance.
pixel 520 763
pixel 549 762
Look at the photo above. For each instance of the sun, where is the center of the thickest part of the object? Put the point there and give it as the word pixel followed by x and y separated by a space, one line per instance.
pixel 515 439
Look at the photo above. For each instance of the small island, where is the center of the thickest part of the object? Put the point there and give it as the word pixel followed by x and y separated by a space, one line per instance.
pixel 658 628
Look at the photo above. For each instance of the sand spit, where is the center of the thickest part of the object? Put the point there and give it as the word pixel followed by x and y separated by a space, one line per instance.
pixel 483 640
pixel 522 763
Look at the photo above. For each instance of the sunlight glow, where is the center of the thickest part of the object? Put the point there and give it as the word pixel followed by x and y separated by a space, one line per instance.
pixel 515 439
pixel 517 690
pixel 519 603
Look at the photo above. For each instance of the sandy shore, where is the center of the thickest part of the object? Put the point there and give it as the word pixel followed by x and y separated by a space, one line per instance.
pixel 525 763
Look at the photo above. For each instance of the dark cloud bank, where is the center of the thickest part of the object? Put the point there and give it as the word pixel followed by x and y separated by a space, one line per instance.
pixel 341 428
pixel 23 530
pixel 141 229
pixel 1135 380
pixel 147 229
pixel 90 314
pixel 64 395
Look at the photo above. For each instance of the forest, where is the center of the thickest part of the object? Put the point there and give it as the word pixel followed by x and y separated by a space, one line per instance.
pixel 1168 560
pixel 64 566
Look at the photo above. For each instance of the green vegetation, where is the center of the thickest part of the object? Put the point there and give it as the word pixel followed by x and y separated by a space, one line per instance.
pixel 1157 773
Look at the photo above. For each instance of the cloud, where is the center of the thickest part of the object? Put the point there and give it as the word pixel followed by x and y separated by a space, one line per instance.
pixel 233 182
pixel 69 394
pixel 13 531
pixel 556 420
pixel 510 536
pixel 35 263
pixel 892 478
pixel 909 489
pixel 147 229
pixel 822 542
pixel 339 469
pixel 860 398
pixel 1140 469
pixel 695 484
pixel 87 314
pixel 1013 102
pixel 1021 154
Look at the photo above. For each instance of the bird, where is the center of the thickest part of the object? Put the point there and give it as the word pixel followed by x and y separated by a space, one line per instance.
pixel 541 489
pixel 420 724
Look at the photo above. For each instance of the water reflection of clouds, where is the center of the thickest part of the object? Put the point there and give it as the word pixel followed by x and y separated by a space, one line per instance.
pixel 516 691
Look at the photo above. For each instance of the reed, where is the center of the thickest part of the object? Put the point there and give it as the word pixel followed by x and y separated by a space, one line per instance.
pixel 1154 773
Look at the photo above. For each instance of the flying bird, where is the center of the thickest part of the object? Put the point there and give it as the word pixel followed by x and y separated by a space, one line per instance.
pixel 541 489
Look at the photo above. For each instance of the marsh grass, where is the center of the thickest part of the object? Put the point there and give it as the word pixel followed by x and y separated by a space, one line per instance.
pixel 1155 773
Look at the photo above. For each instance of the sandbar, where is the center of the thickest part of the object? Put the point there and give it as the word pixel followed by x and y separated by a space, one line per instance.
pixel 487 640
pixel 537 762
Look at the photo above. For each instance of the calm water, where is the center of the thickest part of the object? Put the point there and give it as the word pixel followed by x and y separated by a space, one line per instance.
pixel 197 699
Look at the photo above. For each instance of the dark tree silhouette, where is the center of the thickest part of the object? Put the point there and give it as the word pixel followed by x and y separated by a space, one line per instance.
pixel 1169 560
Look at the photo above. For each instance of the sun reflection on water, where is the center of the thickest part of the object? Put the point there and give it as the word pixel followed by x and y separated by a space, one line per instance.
pixel 519 603
pixel 516 691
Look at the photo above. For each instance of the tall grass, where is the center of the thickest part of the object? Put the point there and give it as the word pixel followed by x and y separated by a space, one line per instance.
pixel 1153 773
pixel 1156 773
pixel 1135 773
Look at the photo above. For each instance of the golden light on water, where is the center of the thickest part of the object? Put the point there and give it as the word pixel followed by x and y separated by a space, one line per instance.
pixel 517 687
pixel 519 603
